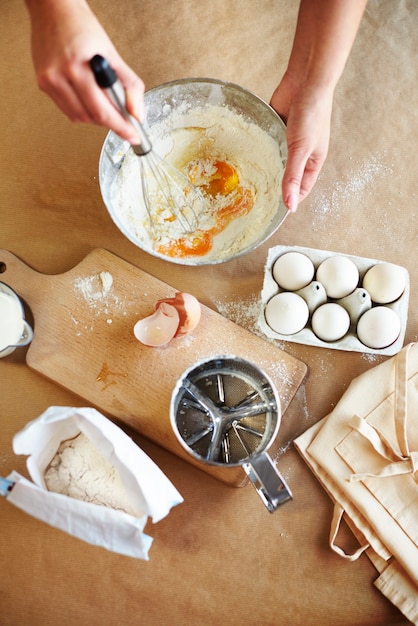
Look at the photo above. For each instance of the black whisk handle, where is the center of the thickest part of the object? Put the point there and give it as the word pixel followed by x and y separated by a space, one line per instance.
pixel 107 79
pixel 104 74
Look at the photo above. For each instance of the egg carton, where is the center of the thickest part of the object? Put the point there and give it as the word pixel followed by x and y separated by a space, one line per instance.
pixel 350 342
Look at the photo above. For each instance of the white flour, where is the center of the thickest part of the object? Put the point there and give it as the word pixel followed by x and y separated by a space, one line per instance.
pixel 94 287
pixel 214 133
pixel 98 292
pixel 80 471
pixel 359 182
pixel 243 312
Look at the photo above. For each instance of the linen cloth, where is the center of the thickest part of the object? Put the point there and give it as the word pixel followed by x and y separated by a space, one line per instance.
pixel 365 454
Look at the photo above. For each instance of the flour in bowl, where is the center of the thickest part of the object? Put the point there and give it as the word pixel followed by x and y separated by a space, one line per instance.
pixel 80 471
pixel 236 164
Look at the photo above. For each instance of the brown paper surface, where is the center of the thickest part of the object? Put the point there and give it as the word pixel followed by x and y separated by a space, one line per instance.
pixel 220 557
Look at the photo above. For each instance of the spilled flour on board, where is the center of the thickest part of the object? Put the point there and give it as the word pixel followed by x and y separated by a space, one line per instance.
pixel 95 287
pixel 245 313
pixel 97 290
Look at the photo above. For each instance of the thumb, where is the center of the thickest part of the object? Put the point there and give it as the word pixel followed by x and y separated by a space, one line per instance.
pixel 300 175
pixel 135 103
pixel 292 180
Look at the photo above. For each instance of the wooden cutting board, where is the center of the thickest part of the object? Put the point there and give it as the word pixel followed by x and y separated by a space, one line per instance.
pixel 84 341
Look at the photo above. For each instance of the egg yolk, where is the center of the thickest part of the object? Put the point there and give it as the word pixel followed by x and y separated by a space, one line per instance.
pixel 223 180
pixel 217 178
pixel 200 242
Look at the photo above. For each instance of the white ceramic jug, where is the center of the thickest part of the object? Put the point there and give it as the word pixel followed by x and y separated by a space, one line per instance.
pixel 14 329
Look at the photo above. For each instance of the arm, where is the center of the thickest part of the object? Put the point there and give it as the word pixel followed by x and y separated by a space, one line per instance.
pixel 325 34
pixel 65 35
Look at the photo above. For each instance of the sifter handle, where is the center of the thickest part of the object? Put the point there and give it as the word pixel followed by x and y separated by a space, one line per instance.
pixel 267 480
pixel 107 79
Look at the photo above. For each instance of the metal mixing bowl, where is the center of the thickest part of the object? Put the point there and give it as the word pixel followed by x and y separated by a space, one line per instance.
pixel 195 92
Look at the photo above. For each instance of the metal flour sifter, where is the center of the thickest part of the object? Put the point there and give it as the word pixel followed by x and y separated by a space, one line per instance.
pixel 225 412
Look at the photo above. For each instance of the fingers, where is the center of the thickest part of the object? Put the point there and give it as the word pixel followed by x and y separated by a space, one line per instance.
pixel 300 176
pixel 307 112
pixel 100 110
pixel 65 35
pixel 307 133
pixel 61 89
pixel 75 92
pixel 134 90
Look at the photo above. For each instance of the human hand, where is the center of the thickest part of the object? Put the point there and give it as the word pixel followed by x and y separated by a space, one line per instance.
pixel 307 113
pixel 65 36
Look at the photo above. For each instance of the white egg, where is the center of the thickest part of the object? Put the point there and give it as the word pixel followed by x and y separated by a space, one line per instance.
pixel 330 322
pixel 379 327
pixel 339 275
pixel 286 313
pixel 385 282
pixel 293 270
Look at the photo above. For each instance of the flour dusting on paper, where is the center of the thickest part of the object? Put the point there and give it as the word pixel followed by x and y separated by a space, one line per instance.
pixel 358 181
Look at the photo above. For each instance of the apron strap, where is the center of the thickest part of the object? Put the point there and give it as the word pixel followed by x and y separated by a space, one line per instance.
pixel 335 527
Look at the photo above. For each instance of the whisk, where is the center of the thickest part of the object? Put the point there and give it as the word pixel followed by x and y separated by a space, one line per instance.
pixel 168 194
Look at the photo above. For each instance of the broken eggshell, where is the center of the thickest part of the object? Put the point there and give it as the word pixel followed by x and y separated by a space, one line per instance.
pixel 188 308
pixel 174 316
pixel 159 328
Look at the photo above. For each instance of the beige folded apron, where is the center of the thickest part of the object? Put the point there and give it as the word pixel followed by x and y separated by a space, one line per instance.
pixel 365 454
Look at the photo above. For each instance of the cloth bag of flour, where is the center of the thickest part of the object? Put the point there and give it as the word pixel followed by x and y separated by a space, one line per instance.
pixel 129 476
pixel 365 454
